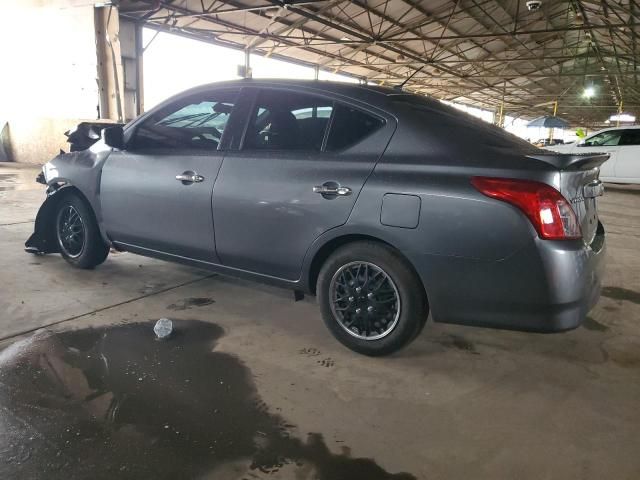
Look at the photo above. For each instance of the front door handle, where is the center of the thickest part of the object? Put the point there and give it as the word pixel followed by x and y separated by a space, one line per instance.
pixel 332 188
pixel 189 177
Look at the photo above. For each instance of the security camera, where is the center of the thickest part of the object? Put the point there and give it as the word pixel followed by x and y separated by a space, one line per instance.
pixel 534 5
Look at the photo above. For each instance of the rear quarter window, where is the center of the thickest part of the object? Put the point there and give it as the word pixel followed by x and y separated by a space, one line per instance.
pixel 349 127
pixel 445 121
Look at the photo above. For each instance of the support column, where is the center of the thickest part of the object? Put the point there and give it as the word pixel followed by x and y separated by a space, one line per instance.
pixel 619 113
pixel 500 122
pixel 110 71
pixel 139 70
pixel 247 63
pixel 555 111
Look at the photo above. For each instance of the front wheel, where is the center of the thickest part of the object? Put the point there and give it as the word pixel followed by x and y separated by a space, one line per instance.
pixel 78 235
pixel 371 298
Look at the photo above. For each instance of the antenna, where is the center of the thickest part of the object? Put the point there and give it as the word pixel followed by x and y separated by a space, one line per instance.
pixel 399 87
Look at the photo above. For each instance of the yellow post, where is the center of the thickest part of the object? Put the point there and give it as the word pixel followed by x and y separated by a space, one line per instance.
pixel 501 115
pixel 619 113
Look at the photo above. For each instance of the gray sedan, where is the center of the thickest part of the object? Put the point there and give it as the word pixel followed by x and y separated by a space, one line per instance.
pixel 387 206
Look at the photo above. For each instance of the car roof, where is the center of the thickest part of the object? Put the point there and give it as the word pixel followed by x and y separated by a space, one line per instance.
pixel 628 127
pixel 376 95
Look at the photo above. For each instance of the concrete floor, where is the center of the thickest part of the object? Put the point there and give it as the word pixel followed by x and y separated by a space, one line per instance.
pixel 460 402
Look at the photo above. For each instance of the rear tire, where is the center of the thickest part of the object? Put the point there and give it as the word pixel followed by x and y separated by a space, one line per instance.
pixel 77 233
pixel 371 298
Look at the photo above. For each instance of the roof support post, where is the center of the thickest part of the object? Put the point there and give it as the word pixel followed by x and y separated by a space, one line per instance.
pixel 139 70
pixel 619 113
pixel 247 63
pixel 110 71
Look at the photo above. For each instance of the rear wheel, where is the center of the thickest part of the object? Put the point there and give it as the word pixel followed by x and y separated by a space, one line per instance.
pixel 371 298
pixel 78 235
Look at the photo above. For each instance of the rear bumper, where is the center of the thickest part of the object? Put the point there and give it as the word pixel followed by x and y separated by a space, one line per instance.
pixel 548 286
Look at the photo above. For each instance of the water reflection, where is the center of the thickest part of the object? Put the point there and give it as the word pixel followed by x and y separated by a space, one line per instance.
pixel 115 402
pixel 18 179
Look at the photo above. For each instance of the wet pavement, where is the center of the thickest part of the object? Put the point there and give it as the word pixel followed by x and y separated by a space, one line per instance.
pixel 115 402
pixel 18 179
pixel 96 396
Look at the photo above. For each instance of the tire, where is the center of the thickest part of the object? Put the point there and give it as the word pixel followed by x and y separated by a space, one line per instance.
pixel 382 325
pixel 77 233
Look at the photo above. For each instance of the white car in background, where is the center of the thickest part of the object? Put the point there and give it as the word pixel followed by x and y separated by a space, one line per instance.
pixel 623 146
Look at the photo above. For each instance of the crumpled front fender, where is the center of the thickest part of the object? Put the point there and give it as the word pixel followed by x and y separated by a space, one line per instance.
pixel 43 239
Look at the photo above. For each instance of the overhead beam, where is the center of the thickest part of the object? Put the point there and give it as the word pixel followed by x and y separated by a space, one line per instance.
pixel 516 33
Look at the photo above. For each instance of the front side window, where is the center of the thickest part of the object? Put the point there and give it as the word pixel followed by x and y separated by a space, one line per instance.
pixel 194 123
pixel 288 121
pixel 604 139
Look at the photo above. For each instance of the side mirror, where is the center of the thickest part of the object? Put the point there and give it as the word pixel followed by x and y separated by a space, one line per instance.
pixel 114 137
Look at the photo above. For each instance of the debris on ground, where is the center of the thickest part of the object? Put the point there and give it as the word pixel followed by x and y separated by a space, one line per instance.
pixel 163 328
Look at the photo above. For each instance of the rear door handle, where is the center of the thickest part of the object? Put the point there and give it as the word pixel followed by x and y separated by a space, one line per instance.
pixel 189 177
pixel 332 188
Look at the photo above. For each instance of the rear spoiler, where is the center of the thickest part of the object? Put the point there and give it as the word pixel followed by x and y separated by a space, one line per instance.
pixel 572 161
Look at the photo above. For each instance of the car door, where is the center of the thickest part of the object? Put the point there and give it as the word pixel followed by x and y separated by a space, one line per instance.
pixel 603 142
pixel 303 161
pixel 156 194
pixel 628 162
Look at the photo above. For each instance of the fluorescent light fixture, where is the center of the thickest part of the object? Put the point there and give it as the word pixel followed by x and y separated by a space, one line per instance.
pixel 622 117
pixel 589 92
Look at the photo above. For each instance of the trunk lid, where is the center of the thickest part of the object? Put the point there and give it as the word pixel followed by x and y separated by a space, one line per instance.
pixel 580 185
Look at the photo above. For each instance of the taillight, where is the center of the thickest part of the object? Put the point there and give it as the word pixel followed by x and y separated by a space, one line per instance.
pixel 546 208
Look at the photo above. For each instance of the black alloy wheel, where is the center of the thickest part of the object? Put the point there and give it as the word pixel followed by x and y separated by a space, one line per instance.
pixel 371 298
pixel 364 300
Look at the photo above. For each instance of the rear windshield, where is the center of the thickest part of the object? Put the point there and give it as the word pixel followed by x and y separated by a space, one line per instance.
pixel 462 124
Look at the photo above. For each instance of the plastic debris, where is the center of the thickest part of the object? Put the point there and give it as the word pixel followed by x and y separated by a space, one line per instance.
pixel 163 328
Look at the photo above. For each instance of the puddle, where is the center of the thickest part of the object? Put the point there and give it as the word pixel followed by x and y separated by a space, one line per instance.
pixel 21 180
pixel 457 342
pixel 630 189
pixel 592 324
pixel 8 181
pixel 187 303
pixel 618 293
pixel 114 402
pixel 624 351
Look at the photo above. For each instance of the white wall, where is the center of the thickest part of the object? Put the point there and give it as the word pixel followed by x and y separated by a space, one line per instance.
pixel 48 59
pixel 48 73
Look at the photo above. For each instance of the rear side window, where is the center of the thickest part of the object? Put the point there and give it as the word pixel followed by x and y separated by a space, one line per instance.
pixel 193 123
pixel 350 126
pixel 630 137
pixel 284 120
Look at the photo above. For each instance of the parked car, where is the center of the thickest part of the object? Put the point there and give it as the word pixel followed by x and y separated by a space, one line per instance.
pixel 543 142
pixel 622 144
pixel 385 205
